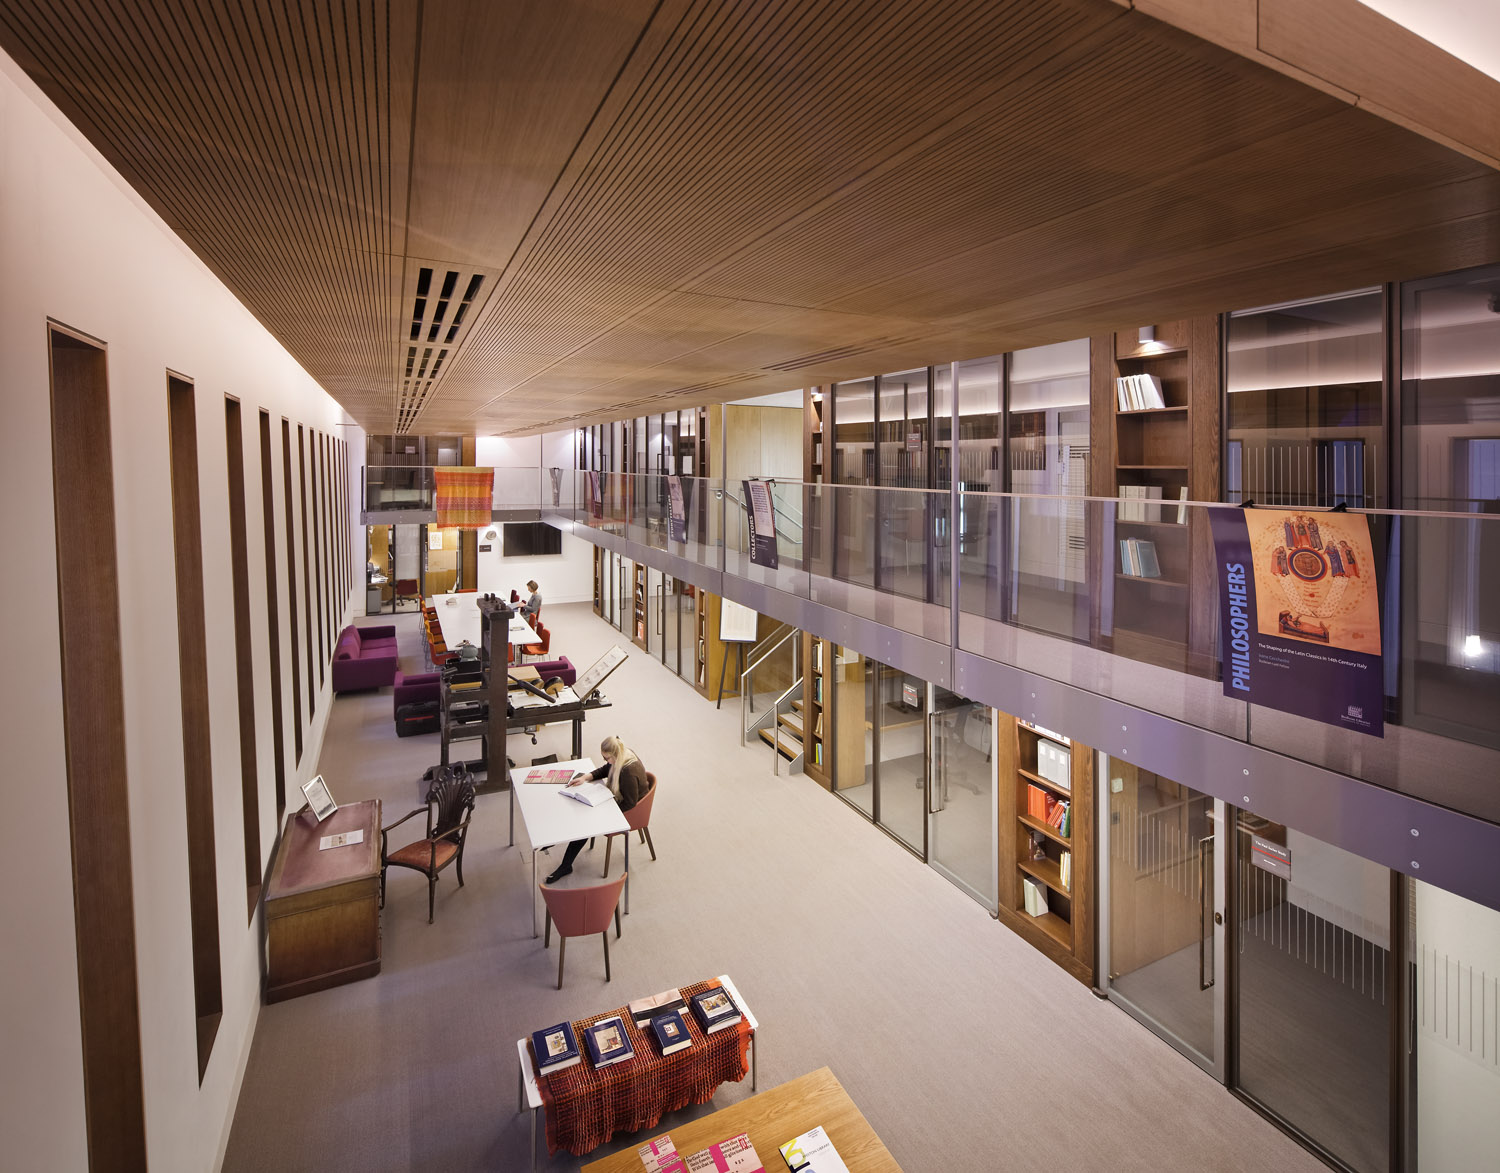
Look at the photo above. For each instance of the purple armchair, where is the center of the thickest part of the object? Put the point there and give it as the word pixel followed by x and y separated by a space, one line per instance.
pixel 414 690
pixel 364 657
pixel 562 666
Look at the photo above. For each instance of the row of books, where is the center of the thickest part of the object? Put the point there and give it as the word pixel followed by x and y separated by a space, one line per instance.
pixel 812 1152
pixel 1134 504
pixel 1035 893
pixel 1138 558
pixel 660 1016
pixel 1046 807
pixel 1065 867
pixel 1139 393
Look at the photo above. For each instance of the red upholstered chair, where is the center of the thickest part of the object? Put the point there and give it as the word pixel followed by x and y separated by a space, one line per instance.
pixel 450 806
pixel 582 912
pixel 639 818
pixel 544 641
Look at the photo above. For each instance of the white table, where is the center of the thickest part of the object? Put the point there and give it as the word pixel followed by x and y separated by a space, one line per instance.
pixel 530 1092
pixel 459 620
pixel 550 819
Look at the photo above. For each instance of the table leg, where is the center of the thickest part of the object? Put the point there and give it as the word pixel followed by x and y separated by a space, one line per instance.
pixel 511 791
pixel 626 837
pixel 533 1139
pixel 533 892
pixel 752 1060
pixel 578 737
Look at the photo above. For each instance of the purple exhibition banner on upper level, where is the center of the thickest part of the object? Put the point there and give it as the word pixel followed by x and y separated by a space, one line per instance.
pixel 677 511
pixel 762 518
pixel 1300 611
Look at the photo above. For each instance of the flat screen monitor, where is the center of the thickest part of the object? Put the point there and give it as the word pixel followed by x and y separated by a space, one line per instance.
pixel 531 539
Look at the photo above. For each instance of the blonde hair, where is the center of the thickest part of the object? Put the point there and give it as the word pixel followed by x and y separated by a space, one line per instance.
pixel 612 747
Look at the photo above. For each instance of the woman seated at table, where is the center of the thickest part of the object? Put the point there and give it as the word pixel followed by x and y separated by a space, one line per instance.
pixel 627 781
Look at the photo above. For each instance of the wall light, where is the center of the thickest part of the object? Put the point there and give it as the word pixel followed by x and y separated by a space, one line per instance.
pixel 1472 646
pixel 1146 334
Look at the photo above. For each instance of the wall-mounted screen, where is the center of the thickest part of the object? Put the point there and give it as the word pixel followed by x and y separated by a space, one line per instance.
pixel 531 539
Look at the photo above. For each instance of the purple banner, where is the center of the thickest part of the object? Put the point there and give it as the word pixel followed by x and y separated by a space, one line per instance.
pixel 762 524
pixel 1300 611
pixel 677 511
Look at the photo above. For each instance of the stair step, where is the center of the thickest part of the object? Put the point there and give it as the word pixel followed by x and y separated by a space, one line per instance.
pixel 797 704
pixel 789 746
pixel 792 721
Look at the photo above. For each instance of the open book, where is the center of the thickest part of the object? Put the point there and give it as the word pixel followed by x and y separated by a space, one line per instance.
pixel 588 793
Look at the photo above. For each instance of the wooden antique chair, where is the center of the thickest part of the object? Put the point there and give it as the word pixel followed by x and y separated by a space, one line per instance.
pixel 581 912
pixel 450 805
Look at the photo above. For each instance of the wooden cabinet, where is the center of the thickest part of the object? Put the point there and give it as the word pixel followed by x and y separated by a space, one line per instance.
pixel 1039 773
pixel 640 621
pixel 323 907
pixel 817 658
pixel 709 650
pixel 599 582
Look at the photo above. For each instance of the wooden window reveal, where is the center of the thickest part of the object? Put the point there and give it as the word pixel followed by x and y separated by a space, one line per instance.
pixel 273 610
pixel 291 581
pixel 244 657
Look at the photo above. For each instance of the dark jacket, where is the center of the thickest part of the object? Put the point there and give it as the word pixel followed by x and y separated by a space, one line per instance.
pixel 633 784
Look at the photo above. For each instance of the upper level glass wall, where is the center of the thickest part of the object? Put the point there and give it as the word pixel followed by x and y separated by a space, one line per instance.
pixel 402 451
pixel 905 429
pixel 1049 419
pixel 1304 416
pixel 980 402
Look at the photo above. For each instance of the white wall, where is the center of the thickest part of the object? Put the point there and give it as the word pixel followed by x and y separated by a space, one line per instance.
pixel 564 578
pixel 77 246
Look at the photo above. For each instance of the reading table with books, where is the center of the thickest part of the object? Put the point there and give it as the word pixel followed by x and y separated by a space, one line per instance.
pixel 622 1070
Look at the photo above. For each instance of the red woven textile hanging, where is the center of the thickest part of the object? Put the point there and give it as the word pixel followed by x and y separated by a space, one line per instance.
pixel 463 496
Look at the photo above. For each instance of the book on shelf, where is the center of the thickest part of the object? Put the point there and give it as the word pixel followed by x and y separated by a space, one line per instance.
pixel 588 793
pixel 607 1042
pixel 1139 392
pixel 660 1155
pixel 735 1155
pixel 1036 801
pixel 715 1010
pixel 643 1010
pixel 1182 509
pixel 1065 869
pixel 1054 763
pixel 812 1152
pixel 1127 565
pixel 1138 558
pixel 556 1048
pixel 1057 813
pixel 1045 732
pixel 1036 896
pixel 1065 827
pixel 671 1032
pixel 817 655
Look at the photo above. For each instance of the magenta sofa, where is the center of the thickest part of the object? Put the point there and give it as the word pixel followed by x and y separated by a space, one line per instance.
pixel 414 690
pixel 365 657
pixel 562 666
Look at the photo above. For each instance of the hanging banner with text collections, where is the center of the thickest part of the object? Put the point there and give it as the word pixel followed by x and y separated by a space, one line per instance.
pixel 596 498
pixel 677 516
pixel 1301 614
pixel 762 524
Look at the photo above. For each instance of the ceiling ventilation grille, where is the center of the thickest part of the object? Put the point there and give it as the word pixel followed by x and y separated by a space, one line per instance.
pixel 443 304
pixel 838 354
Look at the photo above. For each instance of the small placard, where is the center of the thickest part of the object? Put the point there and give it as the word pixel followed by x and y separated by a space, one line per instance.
pixel 343 839
pixel 1270 857
pixel 485 548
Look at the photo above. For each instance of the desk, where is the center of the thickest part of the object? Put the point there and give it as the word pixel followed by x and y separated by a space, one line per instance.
pixel 323 907
pixel 550 819
pixel 458 620
pixel 774 1117
pixel 642 1089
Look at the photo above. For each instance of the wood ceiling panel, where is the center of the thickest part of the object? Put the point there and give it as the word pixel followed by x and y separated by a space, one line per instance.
pixel 670 202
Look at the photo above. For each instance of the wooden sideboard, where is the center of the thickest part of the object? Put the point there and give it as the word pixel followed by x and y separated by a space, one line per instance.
pixel 323 907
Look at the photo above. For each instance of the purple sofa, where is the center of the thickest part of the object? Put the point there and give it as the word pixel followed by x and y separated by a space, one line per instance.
pixel 562 666
pixel 364 657
pixel 414 690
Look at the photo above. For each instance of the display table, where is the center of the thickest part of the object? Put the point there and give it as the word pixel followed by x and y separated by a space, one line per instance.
pixel 323 907
pixel 585 1106
pixel 771 1119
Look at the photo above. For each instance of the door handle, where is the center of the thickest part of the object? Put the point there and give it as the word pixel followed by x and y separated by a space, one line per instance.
pixel 1205 978
pixel 934 803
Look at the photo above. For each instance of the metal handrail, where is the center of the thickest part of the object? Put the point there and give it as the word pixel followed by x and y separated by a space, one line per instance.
pixel 746 724
pixel 760 651
pixel 776 728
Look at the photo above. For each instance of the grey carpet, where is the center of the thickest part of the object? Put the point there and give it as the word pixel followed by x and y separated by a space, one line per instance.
pixel 965 1048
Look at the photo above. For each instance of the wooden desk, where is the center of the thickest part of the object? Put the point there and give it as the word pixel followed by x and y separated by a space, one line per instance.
pixel 772 1118
pixel 323 907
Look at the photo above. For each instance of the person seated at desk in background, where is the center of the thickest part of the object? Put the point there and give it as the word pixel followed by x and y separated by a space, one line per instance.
pixel 627 780
pixel 533 605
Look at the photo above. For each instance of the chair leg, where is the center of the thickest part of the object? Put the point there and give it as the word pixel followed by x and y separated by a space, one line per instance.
pixel 547 933
pixel 431 895
pixel 562 951
pixel 609 842
pixel 382 885
pixel 649 843
pixel 605 938
pixel 458 865
pixel 617 922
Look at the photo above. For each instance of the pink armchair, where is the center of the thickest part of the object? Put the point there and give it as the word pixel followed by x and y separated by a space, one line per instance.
pixel 639 818
pixel 581 912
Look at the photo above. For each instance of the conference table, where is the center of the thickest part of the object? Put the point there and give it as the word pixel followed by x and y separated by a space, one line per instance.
pixel 459 619
pixel 549 818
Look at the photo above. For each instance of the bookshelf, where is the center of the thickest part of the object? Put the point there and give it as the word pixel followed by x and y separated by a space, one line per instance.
pixel 1038 770
pixel 1162 618
pixel 599 582
pixel 818 655
pixel 639 621
pixel 709 650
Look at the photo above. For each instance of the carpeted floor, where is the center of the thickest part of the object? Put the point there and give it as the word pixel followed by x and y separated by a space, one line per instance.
pixel 965 1048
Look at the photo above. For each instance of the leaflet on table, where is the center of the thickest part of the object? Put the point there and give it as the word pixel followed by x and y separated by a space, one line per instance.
pixel 660 1156
pixel 812 1152
pixel 547 776
pixel 588 793
pixel 735 1155
pixel 343 839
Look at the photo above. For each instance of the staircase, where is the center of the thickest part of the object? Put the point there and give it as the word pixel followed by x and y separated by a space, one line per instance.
pixel 786 736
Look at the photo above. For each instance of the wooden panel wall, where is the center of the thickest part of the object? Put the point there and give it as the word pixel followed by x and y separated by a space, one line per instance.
pixel 244 656
pixel 94 731
pixel 197 752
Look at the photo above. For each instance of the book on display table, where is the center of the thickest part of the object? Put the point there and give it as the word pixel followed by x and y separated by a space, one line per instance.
pixel 588 793
pixel 715 1010
pixel 812 1152
pixel 671 1032
pixel 556 1048
pixel 643 1010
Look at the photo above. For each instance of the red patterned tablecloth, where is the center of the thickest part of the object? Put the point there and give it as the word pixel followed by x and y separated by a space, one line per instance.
pixel 586 1106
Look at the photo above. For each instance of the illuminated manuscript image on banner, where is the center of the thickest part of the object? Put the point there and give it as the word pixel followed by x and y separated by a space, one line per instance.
pixel 1300 608
pixel 677 515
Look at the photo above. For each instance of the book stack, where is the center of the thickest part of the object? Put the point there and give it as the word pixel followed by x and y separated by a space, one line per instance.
pixel 1133 505
pixel 608 1042
pixel 1139 393
pixel 735 1155
pixel 671 1032
pixel 715 1011
pixel 643 1010
pixel 556 1048
pixel 812 1152
pixel 1036 896
pixel 1048 808
pixel 1138 558
pixel 1065 867
pixel 1053 762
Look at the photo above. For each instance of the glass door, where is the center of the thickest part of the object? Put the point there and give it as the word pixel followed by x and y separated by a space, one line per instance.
pixel 1316 983
pixel 1162 886
pixel 961 799
pixel 900 711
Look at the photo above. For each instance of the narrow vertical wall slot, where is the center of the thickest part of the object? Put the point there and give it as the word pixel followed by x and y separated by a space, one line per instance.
pixel 197 755
pixel 88 598
pixel 273 609
pixel 316 564
pixel 244 657
pixel 291 580
pixel 307 572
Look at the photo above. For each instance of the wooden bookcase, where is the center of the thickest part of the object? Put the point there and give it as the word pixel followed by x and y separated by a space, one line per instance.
pixel 709 650
pixel 1164 619
pixel 818 657
pixel 640 621
pixel 599 582
pixel 1066 931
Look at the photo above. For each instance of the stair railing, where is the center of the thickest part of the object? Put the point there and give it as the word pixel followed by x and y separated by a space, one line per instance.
pixel 758 655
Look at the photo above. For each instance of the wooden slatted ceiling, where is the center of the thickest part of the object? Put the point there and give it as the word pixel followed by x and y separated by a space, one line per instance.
pixel 673 202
